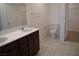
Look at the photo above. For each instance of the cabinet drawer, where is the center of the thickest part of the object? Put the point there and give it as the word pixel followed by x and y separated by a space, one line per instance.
pixel 33 35
pixel 36 33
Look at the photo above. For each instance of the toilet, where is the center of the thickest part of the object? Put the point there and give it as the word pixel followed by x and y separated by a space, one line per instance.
pixel 53 30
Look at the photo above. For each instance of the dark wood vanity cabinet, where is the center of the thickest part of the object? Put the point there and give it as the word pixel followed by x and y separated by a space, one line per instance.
pixel 10 49
pixel 33 43
pixel 25 46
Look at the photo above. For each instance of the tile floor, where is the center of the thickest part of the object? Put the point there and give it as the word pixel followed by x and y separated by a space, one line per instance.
pixel 54 47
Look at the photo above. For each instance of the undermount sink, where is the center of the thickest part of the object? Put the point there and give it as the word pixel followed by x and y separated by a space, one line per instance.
pixel 26 29
pixel 3 39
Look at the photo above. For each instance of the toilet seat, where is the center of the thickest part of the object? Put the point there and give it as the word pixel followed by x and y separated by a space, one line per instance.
pixel 53 30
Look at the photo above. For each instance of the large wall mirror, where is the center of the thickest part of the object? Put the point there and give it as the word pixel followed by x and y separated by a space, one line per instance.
pixel 12 15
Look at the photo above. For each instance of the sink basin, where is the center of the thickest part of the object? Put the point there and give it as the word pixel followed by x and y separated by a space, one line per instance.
pixel 3 39
pixel 26 30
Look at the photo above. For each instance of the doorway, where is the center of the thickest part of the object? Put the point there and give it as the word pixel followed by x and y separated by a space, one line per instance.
pixel 72 22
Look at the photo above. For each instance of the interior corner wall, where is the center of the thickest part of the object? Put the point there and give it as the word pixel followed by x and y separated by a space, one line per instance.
pixel 62 21
pixel 57 16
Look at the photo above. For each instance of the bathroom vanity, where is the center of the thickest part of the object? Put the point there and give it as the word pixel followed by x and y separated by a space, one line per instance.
pixel 20 43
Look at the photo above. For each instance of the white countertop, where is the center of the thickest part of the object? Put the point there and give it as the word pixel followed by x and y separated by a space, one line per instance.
pixel 12 36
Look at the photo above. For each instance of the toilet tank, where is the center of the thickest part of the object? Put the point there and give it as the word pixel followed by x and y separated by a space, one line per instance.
pixel 53 26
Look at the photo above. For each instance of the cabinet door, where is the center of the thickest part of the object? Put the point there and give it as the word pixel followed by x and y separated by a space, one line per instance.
pixel 24 50
pixel 31 46
pixel 36 42
pixel 13 52
pixel 23 46
pixel 33 43
pixel 10 49
pixel 2 53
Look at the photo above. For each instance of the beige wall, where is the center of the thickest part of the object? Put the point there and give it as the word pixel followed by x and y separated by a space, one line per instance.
pixel 54 13
pixel 37 16
pixel 73 17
